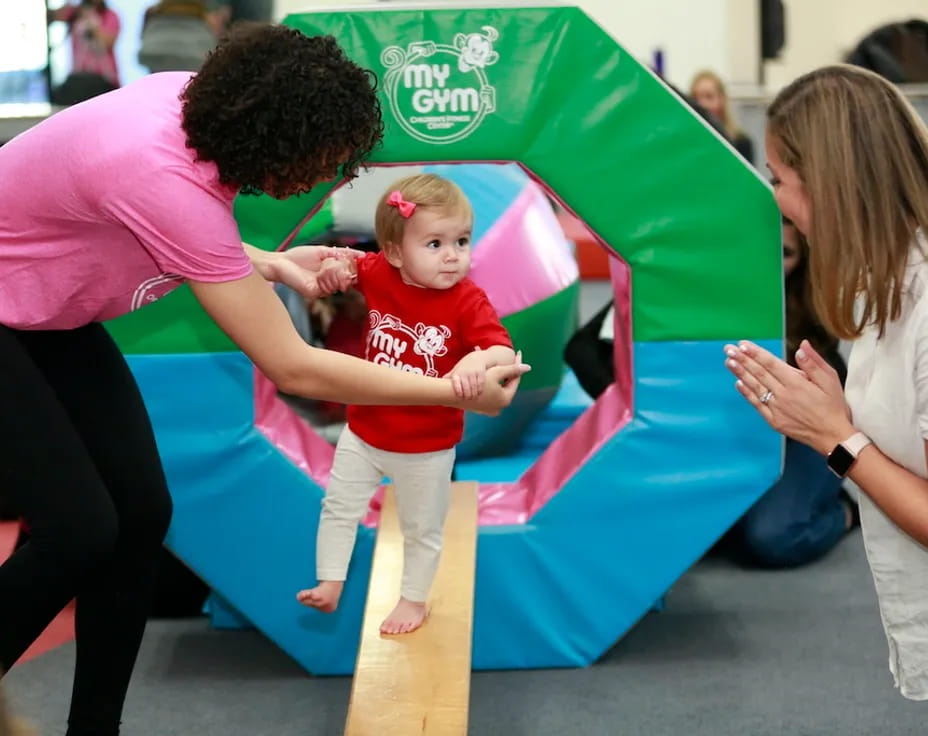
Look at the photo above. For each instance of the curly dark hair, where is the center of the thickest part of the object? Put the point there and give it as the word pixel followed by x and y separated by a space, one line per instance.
pixel 278 111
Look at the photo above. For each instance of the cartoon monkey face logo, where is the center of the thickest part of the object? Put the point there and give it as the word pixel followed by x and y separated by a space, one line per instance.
pixel 440 92
pixel 431 340
pixel 476 49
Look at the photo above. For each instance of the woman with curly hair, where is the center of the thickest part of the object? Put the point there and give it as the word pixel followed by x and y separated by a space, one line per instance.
pixel 109 205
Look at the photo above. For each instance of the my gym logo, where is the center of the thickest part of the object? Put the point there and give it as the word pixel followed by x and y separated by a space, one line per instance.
pixel 440 93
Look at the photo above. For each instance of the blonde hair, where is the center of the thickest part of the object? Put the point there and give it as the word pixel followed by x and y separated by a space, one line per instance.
pixel 732 129
pixel 861 152
pixel 424 190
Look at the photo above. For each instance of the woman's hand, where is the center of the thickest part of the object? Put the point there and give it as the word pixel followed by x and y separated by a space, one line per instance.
pixel 499 386
pixel 806 404
pixel 297 267
pixel 335 274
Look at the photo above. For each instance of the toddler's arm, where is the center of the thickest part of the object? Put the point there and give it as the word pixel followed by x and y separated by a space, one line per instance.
pixel 469 373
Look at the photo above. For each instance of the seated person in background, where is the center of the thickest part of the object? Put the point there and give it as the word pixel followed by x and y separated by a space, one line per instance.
pixel 708 90
pixel 806 512
pixel 423 316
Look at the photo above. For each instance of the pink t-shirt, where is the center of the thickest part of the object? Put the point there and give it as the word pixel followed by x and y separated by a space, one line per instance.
pixel 104 210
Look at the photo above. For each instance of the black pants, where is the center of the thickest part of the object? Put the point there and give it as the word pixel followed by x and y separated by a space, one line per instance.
pixel 78 460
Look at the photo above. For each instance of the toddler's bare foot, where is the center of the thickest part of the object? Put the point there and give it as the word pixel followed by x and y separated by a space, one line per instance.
pixel 324 596
pixel 407 616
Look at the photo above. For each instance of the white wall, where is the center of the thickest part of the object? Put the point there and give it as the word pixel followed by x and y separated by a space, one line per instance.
pixel 131 13
pixel 821 32
pixel 690 38
pixel 718 34
pixel 285 7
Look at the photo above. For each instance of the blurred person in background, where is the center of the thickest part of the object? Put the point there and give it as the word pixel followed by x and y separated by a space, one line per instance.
pixel 708 90
pixel 178 34
pixel 93 28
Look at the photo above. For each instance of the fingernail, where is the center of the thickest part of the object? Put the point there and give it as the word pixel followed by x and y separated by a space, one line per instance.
pixel 744 347
pixel 801 355
pixel 739 383
pixel 731 352
pixel 731 363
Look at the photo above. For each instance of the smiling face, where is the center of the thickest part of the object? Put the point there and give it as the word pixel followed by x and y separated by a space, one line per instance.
pixel 788 190
pixel 477 50
pixel 435 249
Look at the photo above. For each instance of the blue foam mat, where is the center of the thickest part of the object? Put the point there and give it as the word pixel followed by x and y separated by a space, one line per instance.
pixel 572 580
pixel 568 403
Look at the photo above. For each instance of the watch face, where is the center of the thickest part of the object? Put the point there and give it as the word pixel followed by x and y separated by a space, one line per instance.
pixel 840 461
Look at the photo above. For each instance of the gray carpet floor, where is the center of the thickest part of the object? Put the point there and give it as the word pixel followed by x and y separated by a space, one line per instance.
pixel 736 651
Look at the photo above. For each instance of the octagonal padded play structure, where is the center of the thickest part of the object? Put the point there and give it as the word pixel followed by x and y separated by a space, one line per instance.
pixel 575 549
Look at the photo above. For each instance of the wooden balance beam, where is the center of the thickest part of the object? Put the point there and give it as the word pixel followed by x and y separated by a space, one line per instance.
pixel 418 683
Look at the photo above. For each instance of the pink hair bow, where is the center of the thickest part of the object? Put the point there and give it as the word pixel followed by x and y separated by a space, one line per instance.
pixel 396 200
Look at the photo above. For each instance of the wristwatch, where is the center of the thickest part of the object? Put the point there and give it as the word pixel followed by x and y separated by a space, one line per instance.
pixel 843 457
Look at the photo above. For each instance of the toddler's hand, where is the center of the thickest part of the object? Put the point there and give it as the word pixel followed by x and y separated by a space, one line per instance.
pixel 468 383
pixel 334 275
pixel 469 375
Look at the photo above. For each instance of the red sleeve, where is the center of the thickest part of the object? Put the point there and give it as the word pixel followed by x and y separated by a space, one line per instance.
pixel 482 328
pixel 365 266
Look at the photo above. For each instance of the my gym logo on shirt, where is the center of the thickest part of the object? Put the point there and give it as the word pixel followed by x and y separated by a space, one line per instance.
pixel 389 339
pixel 151 290
pixel 439 93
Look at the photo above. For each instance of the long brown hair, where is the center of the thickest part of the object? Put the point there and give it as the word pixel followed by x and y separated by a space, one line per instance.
pixel 861 152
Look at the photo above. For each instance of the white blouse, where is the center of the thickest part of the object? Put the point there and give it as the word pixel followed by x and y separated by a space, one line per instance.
pixel 887 390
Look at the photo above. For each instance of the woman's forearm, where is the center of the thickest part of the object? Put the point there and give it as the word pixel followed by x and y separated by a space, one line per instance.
pixel 262 260
pixel 325 374
pixel 252 315
pixel 901 494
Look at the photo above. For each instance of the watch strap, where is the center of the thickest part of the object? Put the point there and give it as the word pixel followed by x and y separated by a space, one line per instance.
pixel 856 442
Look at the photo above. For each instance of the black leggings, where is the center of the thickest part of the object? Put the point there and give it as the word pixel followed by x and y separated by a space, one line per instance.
pixel 78 461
